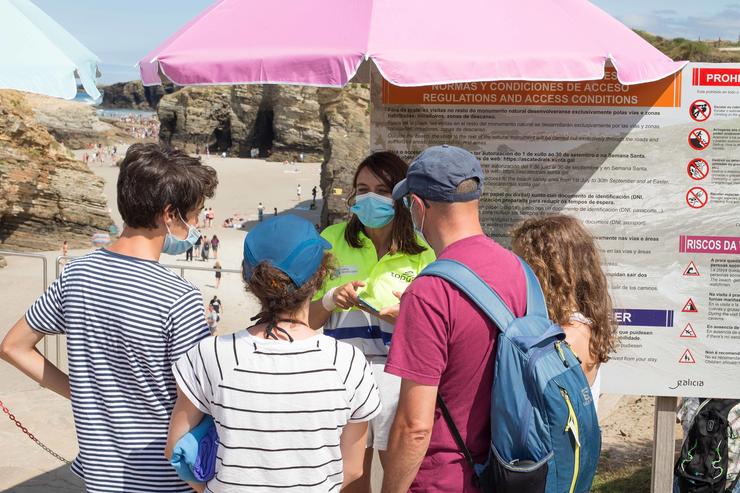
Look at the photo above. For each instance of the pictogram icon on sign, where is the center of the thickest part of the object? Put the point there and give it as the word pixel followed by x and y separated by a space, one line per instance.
pixel 687 357
pixel 699 139
pixel 690 307
pixel 700 110
pixel 691 270
pixel 698 169
pixel 688 331
pixel 697 197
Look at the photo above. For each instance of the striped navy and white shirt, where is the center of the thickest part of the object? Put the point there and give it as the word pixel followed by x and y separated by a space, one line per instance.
pixel 279 408
pixel 127 320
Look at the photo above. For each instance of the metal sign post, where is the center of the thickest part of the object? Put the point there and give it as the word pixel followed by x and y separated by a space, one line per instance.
pixel 664 445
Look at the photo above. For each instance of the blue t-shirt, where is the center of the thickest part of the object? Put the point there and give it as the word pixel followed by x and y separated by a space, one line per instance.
pixel 127 320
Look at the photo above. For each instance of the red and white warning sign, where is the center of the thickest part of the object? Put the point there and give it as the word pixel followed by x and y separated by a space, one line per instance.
pixel 699 139
pixel 687 357
pixel 691 270
pixel 700 110
pixel 688 331
pixel 698 169
pixel 697 197
pixel 690 307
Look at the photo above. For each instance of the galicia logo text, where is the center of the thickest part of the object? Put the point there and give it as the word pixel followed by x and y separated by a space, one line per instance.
pixel 687 383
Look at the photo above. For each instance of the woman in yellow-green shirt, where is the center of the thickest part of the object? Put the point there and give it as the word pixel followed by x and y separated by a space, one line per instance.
pixel 377 254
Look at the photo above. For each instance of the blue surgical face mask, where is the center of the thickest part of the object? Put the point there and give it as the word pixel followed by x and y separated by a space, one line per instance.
pixel 373 210
pixel 175 246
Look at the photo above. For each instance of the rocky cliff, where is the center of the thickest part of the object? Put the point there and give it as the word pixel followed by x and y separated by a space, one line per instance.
pixel 345 114
pixel 281 122
pixel 72 123
pixel 46 197
pixel 133 95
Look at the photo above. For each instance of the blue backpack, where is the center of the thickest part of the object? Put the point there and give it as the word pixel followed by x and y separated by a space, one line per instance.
pixel 545 435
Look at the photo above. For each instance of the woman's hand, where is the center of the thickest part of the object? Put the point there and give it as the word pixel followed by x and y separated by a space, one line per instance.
pixel 390 313
pixel 345 296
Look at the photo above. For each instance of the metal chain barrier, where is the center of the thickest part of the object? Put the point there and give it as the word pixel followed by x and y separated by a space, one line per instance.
pixel 30 435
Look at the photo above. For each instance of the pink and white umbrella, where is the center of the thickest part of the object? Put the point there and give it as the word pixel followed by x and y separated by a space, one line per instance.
pixel 412 42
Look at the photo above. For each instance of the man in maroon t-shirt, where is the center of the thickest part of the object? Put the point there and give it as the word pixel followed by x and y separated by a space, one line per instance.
pixel 442 343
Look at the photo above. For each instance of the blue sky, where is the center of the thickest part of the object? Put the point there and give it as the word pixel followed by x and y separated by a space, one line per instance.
pixel 122 32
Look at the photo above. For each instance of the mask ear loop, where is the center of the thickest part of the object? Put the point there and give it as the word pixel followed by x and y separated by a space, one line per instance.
pixel 421 227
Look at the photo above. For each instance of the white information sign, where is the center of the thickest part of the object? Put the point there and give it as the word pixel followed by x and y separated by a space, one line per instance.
pixel 654 172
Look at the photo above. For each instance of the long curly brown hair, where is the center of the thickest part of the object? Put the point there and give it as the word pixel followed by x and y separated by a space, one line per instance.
pixel 566 260
pixel 277 293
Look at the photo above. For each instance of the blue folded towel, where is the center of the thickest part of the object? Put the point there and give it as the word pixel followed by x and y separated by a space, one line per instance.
pixel 194 455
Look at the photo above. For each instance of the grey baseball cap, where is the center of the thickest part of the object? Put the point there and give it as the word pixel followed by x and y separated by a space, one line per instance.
pixel 436 172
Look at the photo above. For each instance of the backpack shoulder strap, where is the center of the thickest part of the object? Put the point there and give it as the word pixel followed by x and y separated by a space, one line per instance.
pixel 479 292
pixel 536 305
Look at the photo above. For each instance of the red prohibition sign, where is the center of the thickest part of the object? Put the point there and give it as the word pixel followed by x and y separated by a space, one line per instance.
pixel 700 110
pixel 698 169
pixel 697 197
pixel 699 139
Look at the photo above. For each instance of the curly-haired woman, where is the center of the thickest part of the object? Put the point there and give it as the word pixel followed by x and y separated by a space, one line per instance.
pixel 291 407
pixel 566 259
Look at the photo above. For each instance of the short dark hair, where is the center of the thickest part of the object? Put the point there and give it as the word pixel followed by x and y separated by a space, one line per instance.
pixel 153 176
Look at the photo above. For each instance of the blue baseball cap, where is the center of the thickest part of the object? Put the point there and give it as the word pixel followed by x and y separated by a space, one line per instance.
pixel 288 243
pixel 436 173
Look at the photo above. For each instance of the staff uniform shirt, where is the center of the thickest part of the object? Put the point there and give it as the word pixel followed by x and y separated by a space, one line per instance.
pixel 279 408
pixel 393 272
pixel 126 321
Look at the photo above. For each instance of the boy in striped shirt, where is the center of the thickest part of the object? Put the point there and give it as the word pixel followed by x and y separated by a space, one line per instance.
pixel 127 320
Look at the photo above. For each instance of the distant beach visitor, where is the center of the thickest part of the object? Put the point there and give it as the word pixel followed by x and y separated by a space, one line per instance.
pixel 215 242
pixel 566 260
pixel 298 192
pixel 260 212
pixel 127 320
pixel 205 250
pixel 217 268
pixel 378 255
pixel 210 215
pixel 289 405
pixel 216 304
pixel 198 243
pixel 212 319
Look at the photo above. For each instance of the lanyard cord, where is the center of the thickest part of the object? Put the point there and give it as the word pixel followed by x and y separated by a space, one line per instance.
pixel 272 324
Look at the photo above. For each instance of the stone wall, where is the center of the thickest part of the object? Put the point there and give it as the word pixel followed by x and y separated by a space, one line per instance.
pixel 46 197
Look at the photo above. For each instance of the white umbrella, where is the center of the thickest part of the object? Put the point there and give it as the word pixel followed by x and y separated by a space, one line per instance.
pixel 38 55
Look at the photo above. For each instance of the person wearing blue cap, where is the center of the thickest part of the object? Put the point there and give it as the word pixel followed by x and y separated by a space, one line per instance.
pixel 443 344
pixel 290 406
pixel 378 255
